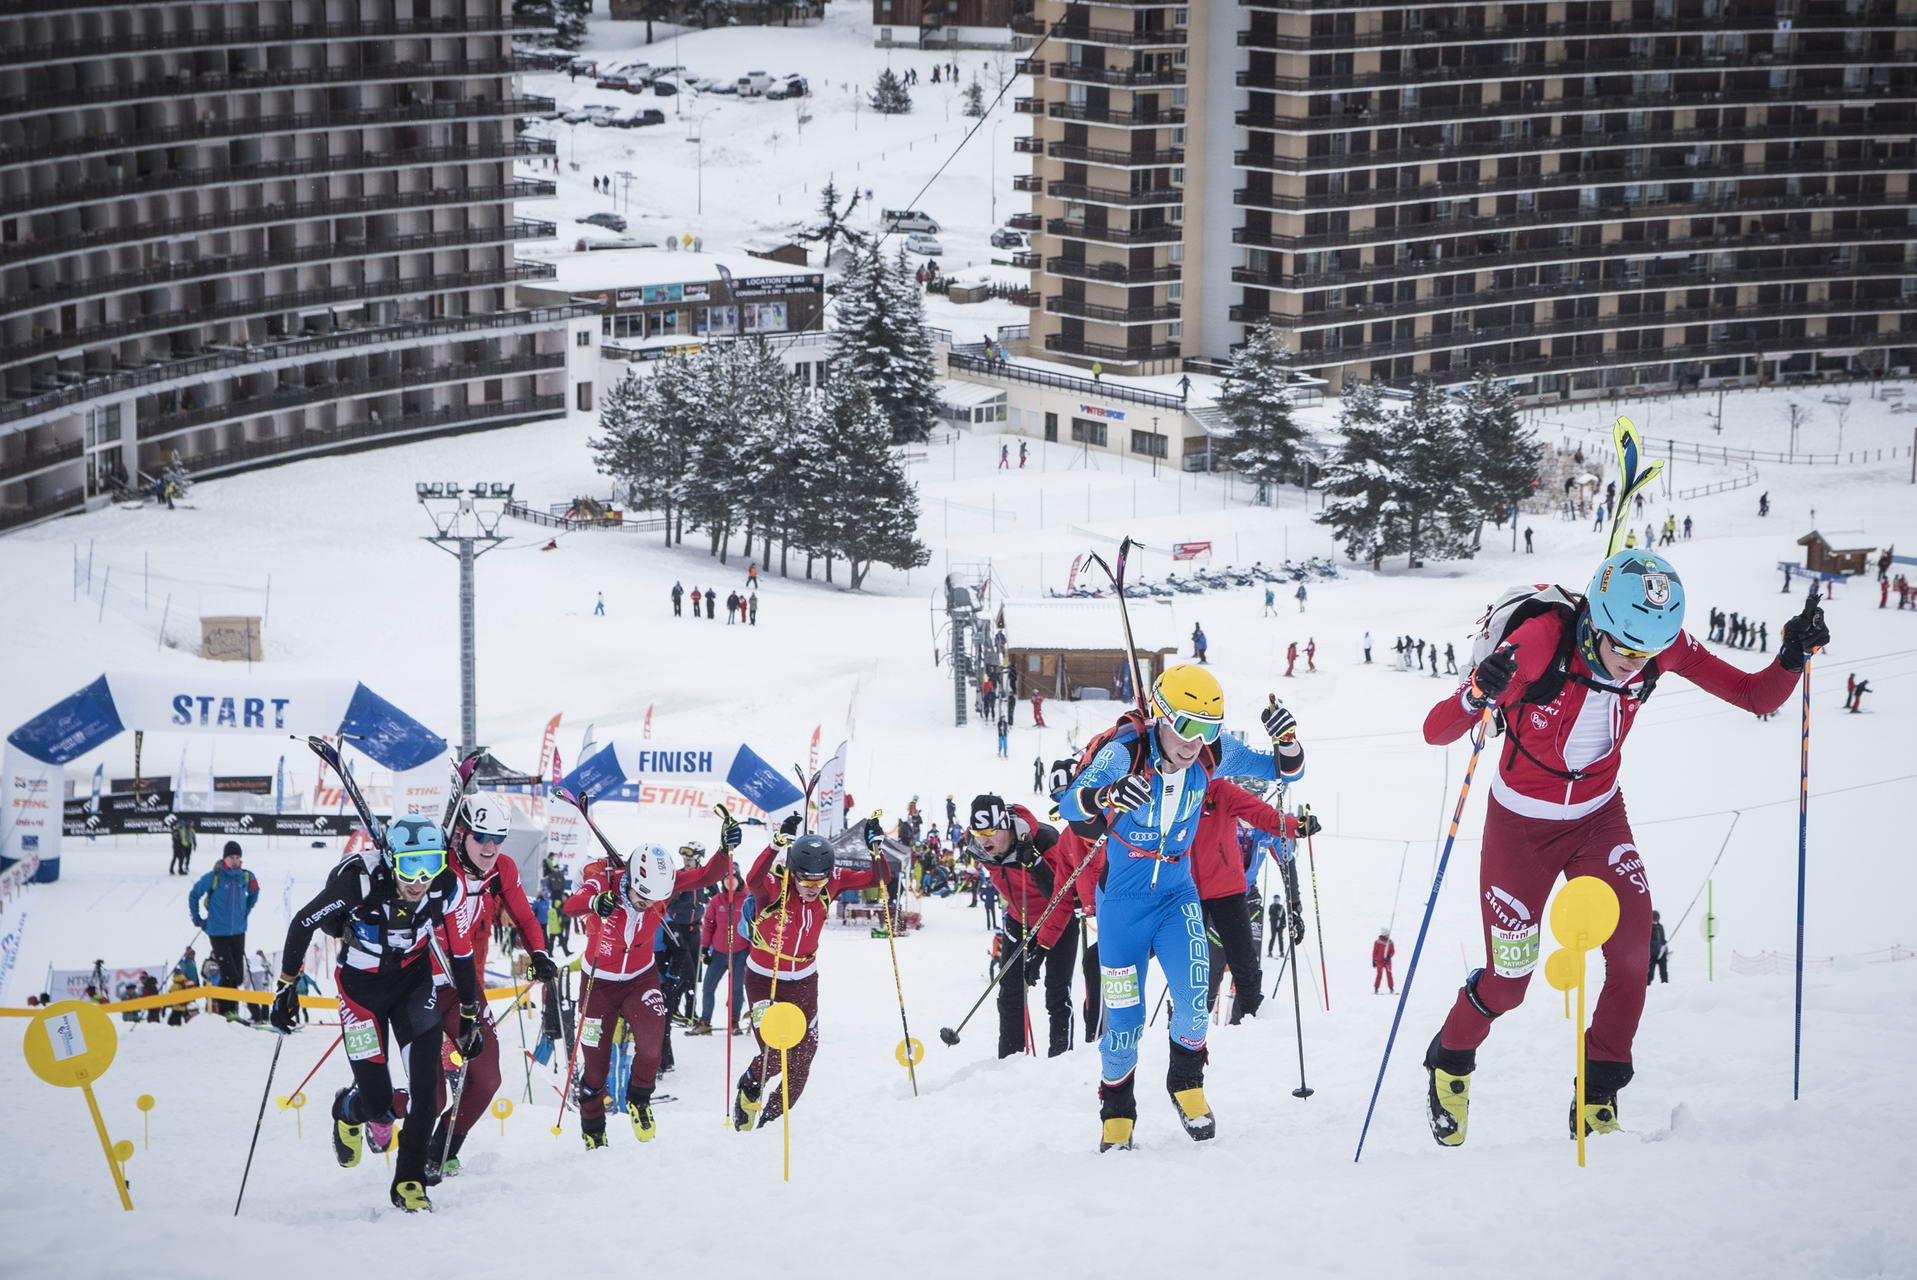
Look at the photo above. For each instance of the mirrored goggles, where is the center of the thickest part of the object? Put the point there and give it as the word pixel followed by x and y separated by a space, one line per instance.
pixel 484 838
pixel 813 882
pixel 1626 651
pixel 420 864
pixel 1193 728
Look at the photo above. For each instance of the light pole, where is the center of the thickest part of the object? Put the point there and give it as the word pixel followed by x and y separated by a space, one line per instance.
pixel 995 125
pixel 468 530
pixel 625 188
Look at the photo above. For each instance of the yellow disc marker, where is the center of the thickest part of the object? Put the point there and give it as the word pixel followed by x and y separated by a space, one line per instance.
pixel 910 1052
pixel 123 1150
pixel 1583 916
pixel 781 1027
pixel 502 1107
pixel 70 1045
pixel 296 1102
pixel 145 1103
pixel 1564 969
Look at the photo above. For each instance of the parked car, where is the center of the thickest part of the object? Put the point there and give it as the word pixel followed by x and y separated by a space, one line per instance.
pixel 909 220
pixel 610 221
pixel 577 115
pixel 613 82
pixel 919 242
pixel 665 88
pixel 1006 238
pixel 788 87
pixel 639 119
pixel 753 84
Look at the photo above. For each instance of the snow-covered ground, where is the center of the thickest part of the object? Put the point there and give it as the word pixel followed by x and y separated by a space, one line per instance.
pixel 993 1164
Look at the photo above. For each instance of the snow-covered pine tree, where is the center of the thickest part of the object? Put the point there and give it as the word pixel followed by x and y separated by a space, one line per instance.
pixel 569 16
pixel 974 98
pixel 889 96
pixel 1504 451
pixel 1430 458
pixel 881 344
pixel 1361 485
pixel 1256 400
pixel 870 509
pixel 638 450
pixel 834 223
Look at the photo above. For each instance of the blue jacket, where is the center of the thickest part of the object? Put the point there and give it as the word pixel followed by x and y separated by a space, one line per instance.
pixel 221 900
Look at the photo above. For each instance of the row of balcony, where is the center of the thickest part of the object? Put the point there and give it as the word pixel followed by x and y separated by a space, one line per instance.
pixel 1167 233
pixel 205 366
pixel 1147 118
pixel 1114 273
pixel 270 304
pixel 1102 351
pixel 1079 193
pixel 1154 314
pixel 150 229
pixel 93 48
pixel 1119 77
pixel 34 298
pixel 96 141
pixel 1115 37
pixel 1156 158
pixel 1566 69
pixel 193 86
pixel 1536 32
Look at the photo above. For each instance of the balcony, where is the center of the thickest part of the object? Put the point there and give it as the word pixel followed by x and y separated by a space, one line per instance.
pixel 1026 25
pixel 168 228
pixel 1117 273
pixel 267 305
pixel 42 460
pixel 1165 38
pixel 1025 222
pixel 181 85
pixel 33 299
pixel 1029 106
pixel 1163 234
pixel 1029 182
pixel 1114 159
pixel 1027 259
pixel 105 46
pixel 325 440
pixel 1081 194
pixel 1029 67
pixel 1755 22
pixel 1121 77
pixel 35 152
pixel 1111 315
pixel 1028 144
pixel 1108 354
pixel 1157 118
pixel 1498 71
pixel 1023 297
pixel 1243 314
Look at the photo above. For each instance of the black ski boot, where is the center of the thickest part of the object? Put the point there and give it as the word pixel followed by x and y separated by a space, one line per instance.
pixel 438 1170
pixel 1448 1097
pixel 745 1104
pixel 348 1134
pixel 1602 1080
pixel 593 1131
pixel 1118 1109
pixel 411 1196
pixel 1185 1081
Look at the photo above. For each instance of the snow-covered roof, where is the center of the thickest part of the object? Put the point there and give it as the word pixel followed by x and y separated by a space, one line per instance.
pixel 1089 624
pixel 631 268
pixel 966 394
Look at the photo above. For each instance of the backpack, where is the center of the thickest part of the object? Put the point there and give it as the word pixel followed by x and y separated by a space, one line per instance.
pixel 1140 746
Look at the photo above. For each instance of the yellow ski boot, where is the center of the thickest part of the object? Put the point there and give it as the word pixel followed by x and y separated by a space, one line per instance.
pixel 348 1139
pixel 411 1196
pixel 1600 1115
pixel 1117 1135
pixel 1449 1101
pixel 644 1127
pixel 1118 1111
pixel 745 1106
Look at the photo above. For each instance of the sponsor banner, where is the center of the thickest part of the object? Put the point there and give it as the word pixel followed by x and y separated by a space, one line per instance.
pixel 135 786
pixel 72 984
pixel 251 784
pixel 422 792
pixel 773 286
pixel 1190 550
pixel 829 795
pixel 706 767
pixel 30 809
pixel 79 822
pixel 1100 411
pixel 13 927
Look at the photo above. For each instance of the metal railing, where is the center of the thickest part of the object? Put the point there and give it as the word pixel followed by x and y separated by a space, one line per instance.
pixel 1567 69
pixel 1122 77
pixel 1105 351
pixel 1011 372
pixel 1060 306
pixel 1082 194
pixel 69 452
pixel 1160 38
pixel 1158 118
pixel 1534 32
pixel 280 33
pixel 193 86
pixel 1115 159
pixel 313 441
pixel 1114 272
pixel 1164 234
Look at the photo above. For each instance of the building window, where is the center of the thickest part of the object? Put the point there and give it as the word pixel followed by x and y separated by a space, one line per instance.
pixel 582 397
pixel 1174 330
pixel 583 338
pixel 1150 444
pixel 1085 431
pixel 1181 17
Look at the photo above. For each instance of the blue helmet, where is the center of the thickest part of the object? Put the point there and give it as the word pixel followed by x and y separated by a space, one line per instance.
pixel 1637 599
pixel 415 847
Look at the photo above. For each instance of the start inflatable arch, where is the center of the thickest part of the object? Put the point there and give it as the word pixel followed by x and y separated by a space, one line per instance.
pixel 200 702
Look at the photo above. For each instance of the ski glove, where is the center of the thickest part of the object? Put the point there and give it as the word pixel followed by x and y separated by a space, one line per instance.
pixel 543 969
pixel 1491 678
pixel 706 955
pixel 731 834
pixel 604 903
pixel 286 1005
pixel 1806 633
pixel 1034 963
pixel 1124 795
pixel 472 1037
pixel 1306 825
pixel 1280 724
pixel 788 831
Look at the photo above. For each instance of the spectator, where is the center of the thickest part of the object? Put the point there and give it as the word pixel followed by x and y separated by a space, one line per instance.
pixel 1660 953
pixel 1300 593
pixel 695 601
pixel 259 977
pixel 1367 643
pixel 712 603
pixel 1038 772
pixel 1382 952
pixel 678 594
pixel 184 840
pixel 1198 642
pixel 1270 601
pixel 306 987
pixel 1311 653
pixel 1038 708
pixel 1527 536
pixel 752 575
pixel 722 942
pixel 988 898
pixel 220 902
pixel 1291 658
pixel 1004 456
pixel 1687 527
pixel 1024 451
pixel 150 986
pixel 752 609
pixel 599 606
pixel 1004 728
pixel 732 607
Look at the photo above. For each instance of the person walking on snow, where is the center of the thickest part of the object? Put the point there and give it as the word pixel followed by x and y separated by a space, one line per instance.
pixel 1300 593
pixel 1038 709
pixel 1270 602
pixel 219 902
pixel 752 609
pixel 1311 654
pixel 599 605
pixel 1004 728
pixel 678 594
pixel 696 597
pixel 1291 658
pixel 1024 450
pixel 1367 644
pixel 712 602
pixel 1004 457
pixel 184 840
pixel 1569 680
pixel 1660 967
pixel 1142 790
pixel 1382 952
pixel 1198 642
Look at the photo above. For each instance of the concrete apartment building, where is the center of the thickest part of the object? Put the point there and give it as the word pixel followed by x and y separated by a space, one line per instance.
pixel 247 230
pixel 1578 196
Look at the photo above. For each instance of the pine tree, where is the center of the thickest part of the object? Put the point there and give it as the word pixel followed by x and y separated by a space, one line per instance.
pixel 1431 460
pixel 974 98
pixel 890 96
pixel 569 16
pixel 1255 399
pixel 834 223
pixel 1361 486
pixel 881 344
pixel 866 509
pixel 1504 452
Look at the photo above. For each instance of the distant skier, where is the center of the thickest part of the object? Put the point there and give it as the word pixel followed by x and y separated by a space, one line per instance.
pixel 1005 457
pixel 1004 729
pixel 1300 593
pixel 1270 601
pixel 184 840
pixel 1382 952
pixel 1038 709
pixel 1291 658
pixel 1367 644
pixel 1660 967
pixel 1311 653
pixel 1569 678
pixel 1450 659
pixel 599 606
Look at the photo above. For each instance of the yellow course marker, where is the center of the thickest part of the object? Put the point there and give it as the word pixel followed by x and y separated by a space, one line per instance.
pixel 502 1107
pixel 1564 969
pixel 145 1103
pixel 70 1045
pixel 910 1052
pixel 1583 916
pixel 782 1027
pixel 295 1104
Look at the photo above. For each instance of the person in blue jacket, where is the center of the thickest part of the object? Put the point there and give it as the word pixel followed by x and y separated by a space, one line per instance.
pixel 1143 791
pixel 220 902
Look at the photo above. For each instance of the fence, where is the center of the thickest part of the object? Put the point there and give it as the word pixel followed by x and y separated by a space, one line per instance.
pixel 554 517
pixel 1769 964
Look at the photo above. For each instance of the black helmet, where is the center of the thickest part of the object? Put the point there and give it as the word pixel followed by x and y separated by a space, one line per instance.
pixel 811 857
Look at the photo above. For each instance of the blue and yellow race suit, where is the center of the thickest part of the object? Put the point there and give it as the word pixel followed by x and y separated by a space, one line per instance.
pixel 1147 903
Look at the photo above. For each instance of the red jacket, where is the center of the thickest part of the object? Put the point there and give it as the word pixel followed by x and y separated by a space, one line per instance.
pixel 719 929
pixel 1381 952
pixel 1524 788
pixel 1217 863
pixel 619 946
pixel 1073 851
pixel 785 931
pixel 471 922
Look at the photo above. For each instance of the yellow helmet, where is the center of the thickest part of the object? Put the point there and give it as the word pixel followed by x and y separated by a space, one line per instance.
pixel 1188 699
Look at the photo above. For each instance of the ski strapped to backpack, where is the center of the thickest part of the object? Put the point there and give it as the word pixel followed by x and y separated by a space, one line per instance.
pixel 1517 606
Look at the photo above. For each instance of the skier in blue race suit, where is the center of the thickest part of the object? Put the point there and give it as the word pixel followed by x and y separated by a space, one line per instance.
pixel 1144 789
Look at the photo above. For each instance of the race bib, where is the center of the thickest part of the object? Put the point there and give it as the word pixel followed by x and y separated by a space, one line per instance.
pixel 1121 987
pixel 362 1041
pixel 1514 952
pixel 591 1032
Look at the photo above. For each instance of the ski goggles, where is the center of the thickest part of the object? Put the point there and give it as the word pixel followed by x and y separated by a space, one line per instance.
pixel 484 838
pixel 419 864
pixel 812 882
pixel 1192 728
pixel 1625 651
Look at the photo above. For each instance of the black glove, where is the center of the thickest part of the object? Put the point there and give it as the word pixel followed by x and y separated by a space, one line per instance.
pixel 1280 724
pixel 1034 963
pixel 286 1005
pixel 706 955
pixel 1492 677
pixel 1308 825
pixel 788 831
pixel 1803 634
pixel 1297 928
pixel 543 969
pixel 472 1036
pixel 731 834
pixel 1126 794
pixel 874 836
pixel 604 903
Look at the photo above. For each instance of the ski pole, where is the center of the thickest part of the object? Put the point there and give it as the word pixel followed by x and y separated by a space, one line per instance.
pixel 950 1035
pixel 525 1056
pixel 279 1042
pixel 892 944
pixel 1297 1020
pixel 1430 904
pixel 317 1065
pixel 1318 921
pixel 572 1061
pixel 452 1112
pixel 1803 840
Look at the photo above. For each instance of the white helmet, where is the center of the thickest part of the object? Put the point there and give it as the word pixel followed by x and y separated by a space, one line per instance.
pixel 649 875
pixel 486 815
